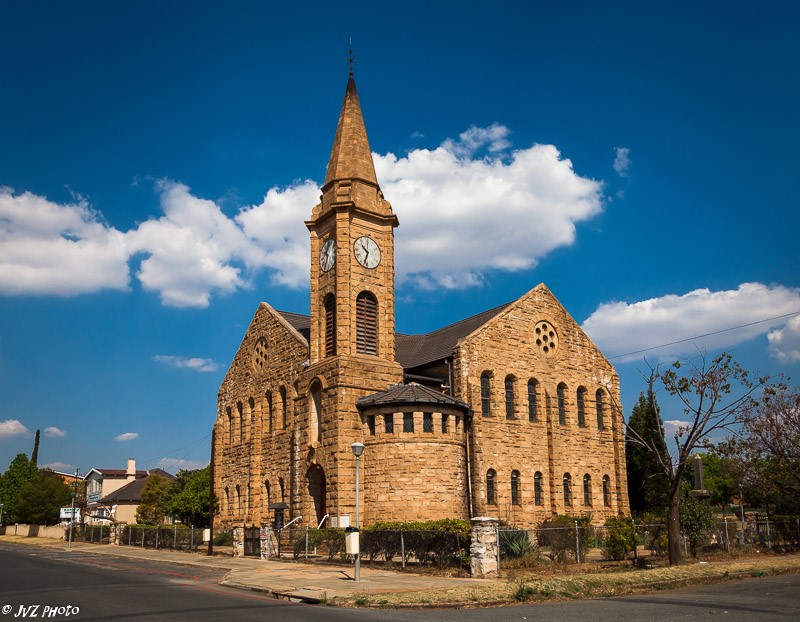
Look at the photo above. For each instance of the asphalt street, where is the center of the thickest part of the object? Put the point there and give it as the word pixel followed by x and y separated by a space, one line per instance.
pixel 55 584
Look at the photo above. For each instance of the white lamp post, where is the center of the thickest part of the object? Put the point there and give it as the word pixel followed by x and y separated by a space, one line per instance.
pixel 358 449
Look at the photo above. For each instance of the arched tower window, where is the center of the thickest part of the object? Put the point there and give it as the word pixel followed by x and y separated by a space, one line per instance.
pixel 366 324
pixel 227 500
pixel 562 405
pixel 330 325
pixel 538 496
pixel 509 397
pixel 598 403
pixel 315 414
pixel 606 491
pixel 267 493
pixel 240 411
pixel 581 407
pixel 283 491
pixel 567 489
pixel 532 406
pixel 229 417
pixel 587 490
pixel 270 412
pixel 491 495
pixel 251 403
pixel 515 496
pixel 486 394
pixel 238 499
pixel 284 407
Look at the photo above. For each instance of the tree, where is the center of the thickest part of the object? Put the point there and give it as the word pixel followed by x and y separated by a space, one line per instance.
pixel 189 501
pixel 155 497
pixel 697 519
pixel 19 472
pixel 716 395
pixel 41 498
pixel 35 452
pixel 648 488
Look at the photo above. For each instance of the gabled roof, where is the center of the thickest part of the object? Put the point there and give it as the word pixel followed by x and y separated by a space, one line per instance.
pixel 301 323
pixel 132 491
pixel 411 393
pixel 114 473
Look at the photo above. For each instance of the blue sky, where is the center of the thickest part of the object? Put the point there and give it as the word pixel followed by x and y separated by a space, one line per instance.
pixel 157 161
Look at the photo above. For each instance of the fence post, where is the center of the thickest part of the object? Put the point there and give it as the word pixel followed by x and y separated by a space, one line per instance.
pixel 635 544
pixel 577 543
pixel 402 551
pixel 769 538
pixel 174 536
pixel 727 540
pixel 130 534
pixel 497 532
pixel 191 537
pixel 156 537
pixel 306 541
pixel 142 537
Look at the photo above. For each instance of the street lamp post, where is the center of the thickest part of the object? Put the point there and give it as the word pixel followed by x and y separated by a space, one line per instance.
pixel 2 505
pixel 358 449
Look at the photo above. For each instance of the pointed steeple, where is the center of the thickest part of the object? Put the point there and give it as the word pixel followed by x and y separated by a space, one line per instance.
pixel 351 157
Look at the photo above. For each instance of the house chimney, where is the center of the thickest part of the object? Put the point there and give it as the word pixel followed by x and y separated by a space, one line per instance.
pixel 131 473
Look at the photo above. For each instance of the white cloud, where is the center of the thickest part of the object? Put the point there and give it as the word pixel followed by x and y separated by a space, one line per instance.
pixel 170 464
pixel 621 328
pixel 60 466
pixel 622 161
pixel 54 432
pixel 196 364
pixel 12 427
pixel 127 436
pixel 50 248
pixel 784 343
pixel 493 138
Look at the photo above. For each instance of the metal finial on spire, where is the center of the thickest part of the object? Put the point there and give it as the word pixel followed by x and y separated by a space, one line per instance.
pixel 351 59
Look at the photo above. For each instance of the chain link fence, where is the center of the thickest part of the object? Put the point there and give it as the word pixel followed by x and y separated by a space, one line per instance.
pixel 175 537
pixel 94 534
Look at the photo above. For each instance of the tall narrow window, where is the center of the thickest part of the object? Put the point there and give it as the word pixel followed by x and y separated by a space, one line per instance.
pixel 251 424
pixel 562 406
pixel 284 407
pixel 606 491
pixel 371 425
pixel 238 499
pixel 538 496
pixel 515 497
pixel 230 424
pixel 267 493
pixel 486 395
pixel 408 422
pixel 532 414
pixel 283 490
pixel 270 412
pixel 581 407
pixel 240 411
pixel 366 324
pixel 427 422
pixel 598 403
pixel 315 414
pixel 509 397
pixel 491 497
pixel 227 500
pixel 567 489
pixel 587 490
pixel 330 325
pixel 444 423
pixel 388 423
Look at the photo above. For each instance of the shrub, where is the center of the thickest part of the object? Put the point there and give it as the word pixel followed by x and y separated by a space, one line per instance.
pixel 620 538
pixel 222 538
pixel 514 543
pixel 655 534
pixel 558 534
pixel 441 542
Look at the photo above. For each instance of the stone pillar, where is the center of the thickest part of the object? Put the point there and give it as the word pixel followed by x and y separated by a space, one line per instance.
pixel 238 541
pixel 484 548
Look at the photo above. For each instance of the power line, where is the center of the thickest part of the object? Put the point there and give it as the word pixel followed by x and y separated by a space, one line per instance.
pixel 716 332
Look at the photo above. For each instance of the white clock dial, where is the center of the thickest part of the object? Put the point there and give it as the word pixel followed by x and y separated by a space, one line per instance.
pixel 367 252
pixel 327 258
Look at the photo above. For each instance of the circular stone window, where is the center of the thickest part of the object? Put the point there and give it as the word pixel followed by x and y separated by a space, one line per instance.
pixel 260 355
pixel 545 337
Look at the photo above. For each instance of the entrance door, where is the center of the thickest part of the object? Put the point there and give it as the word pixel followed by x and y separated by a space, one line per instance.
pixel 252 542
pixel 317 490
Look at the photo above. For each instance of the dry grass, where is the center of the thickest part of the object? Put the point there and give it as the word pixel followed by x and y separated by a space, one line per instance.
pixel 556 584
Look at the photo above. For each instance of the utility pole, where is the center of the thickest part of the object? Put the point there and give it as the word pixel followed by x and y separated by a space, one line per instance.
pixel 72 515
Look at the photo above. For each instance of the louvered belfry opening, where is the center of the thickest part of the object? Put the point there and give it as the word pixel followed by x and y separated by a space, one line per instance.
pixel 330 325
pixel 366 324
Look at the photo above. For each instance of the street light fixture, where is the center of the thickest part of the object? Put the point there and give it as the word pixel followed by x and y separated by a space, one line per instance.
pixel 358 449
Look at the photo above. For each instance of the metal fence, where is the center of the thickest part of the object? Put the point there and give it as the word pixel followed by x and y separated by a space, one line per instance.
pixel 95 534
pixel 176 537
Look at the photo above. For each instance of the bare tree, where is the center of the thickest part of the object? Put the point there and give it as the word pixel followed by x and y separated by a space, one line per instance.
pixel 717 394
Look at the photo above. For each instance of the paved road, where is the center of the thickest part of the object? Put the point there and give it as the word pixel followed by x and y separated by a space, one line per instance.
pixel 106 588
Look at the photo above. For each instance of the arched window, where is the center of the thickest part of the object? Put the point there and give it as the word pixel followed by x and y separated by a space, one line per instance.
pixel 251 403
pixel 284 407
pixel 606 491
pixel 283 492
pixel 491 495
pixel 366 324
pixel 567 489
pixel 515 497
pixel 238 499
pixel 330 325
pixel 538 496
pixel 270 412
pixel 315 414
pixel 230 424
pixel 267 493
pixel 587 490
pixel 562 405
pixel 486 394
pixel 598 403
pixel 582 407
pixel 227 507
pixel 240 409
pixel 532 414
pixel 509 397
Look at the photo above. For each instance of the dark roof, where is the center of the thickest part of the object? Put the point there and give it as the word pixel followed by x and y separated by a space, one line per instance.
pixel 411 393
pixel 415 350
pixel 119 472
pixel 132 491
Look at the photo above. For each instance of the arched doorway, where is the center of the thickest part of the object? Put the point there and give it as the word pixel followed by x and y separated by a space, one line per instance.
pixel 317 490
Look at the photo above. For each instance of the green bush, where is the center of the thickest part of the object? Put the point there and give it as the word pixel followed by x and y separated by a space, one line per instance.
pixel 442 542
pixel 620 538
pixel 222 538
pixel 558 534
pixel 514 543
pixel 655 533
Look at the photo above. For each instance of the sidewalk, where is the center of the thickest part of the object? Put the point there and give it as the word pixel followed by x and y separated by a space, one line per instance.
pixel 287 579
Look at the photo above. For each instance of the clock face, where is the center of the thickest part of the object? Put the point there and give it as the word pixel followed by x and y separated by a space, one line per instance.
pixel 327 258
pixel 367 252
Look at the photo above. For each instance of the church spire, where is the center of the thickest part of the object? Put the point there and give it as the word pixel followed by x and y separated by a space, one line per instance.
pixel 351 157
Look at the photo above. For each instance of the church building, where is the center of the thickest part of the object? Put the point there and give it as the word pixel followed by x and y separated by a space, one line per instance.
pixel 512 413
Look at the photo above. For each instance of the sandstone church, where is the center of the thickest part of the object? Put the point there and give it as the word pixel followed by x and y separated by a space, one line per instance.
pixel 512 413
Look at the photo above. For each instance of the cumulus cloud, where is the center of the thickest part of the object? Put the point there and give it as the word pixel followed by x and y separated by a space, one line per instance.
pixel 196 364
pixel 622 161
pixel 784 343
pixel 60 466
pixel 620 328
pixel 127 436
pixel 54 432
pixel 12 427
pixel 173 464
pixel 59 249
